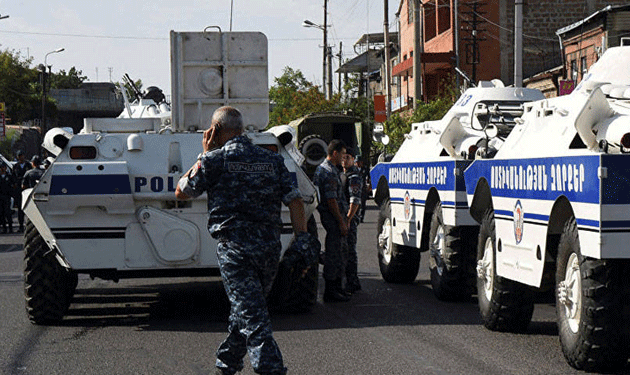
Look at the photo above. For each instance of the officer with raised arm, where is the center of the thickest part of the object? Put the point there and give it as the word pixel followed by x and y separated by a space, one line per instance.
pixel 246 185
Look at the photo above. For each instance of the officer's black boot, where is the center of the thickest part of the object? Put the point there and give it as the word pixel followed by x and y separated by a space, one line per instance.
pixel 333 292
pixel 352 284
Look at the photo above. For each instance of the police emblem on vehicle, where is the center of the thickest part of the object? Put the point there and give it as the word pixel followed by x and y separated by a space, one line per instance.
pixel 407 206
pixel 518 222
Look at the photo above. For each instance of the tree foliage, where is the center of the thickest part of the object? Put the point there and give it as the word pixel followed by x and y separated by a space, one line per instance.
pixel 70 80
pixel 18 84
pixel 293 96
pixel 398 125
pixel 21 86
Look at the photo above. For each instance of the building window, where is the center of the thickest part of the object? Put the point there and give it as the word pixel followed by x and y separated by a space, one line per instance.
pixel 444 15
pixel 410 11
pixel 574 70
pixel 584 67
pixel 430 27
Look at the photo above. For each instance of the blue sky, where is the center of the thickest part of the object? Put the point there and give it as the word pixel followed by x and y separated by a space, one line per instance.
pixel 132 36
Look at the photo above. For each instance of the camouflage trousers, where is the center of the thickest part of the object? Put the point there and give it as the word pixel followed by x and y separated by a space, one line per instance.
pixel 248 269
pixel 352 259
pixel 336 248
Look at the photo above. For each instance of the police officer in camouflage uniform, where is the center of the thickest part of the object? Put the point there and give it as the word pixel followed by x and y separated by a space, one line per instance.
pixel 33 175
pixel 352 187
pixel 7 184
pixel 246 185
pixel 332 212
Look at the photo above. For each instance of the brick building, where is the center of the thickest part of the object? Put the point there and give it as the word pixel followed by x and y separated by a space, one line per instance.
pixel 585 41
pixel 487 53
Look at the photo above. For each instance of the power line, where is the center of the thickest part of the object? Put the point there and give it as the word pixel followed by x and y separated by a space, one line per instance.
pixel 141 38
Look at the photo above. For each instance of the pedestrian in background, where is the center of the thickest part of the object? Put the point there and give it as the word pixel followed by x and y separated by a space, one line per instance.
pixel 19 170
pixel 246 185
pixel 33 175
pixel 332 212
pixel 7 188
pixel 353 189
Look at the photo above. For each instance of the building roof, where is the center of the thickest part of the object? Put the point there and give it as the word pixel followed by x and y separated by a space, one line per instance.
pixel 601 12
pixel 359 64
pixel 376 38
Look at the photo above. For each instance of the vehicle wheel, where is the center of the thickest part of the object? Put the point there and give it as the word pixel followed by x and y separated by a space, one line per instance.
pixel 589 306
pixel 48 286
pixel 505 305
pixel 398 264
pixel 314 149
pixel 449 278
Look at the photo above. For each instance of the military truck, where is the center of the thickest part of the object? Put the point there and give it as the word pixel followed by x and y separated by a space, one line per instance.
pixel 553 206
pixel 106 206
pixel 315 131
pixel 421 191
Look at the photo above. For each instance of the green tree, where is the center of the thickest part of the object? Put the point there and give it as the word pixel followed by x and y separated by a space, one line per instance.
pixel 18 86
pixel 397 126
pixel 70 80
pixel 293 96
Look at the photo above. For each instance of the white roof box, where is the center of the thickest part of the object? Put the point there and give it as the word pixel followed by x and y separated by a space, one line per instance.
pixel 211 69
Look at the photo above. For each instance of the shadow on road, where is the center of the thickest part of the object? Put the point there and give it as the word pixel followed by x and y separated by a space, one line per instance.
pixel 202 306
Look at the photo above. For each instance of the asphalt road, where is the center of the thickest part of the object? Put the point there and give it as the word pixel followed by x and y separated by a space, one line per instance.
pixel 173 326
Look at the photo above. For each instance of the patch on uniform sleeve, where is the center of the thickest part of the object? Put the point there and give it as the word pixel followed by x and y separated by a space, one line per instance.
pixel 355 189
pixel 195 169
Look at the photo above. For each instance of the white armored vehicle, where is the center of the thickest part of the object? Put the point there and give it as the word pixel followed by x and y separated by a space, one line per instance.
pixel 554 209
pixel 422 194
pixel 106 206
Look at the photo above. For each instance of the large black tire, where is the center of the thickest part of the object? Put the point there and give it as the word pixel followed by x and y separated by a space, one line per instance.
pixel 450 278
pixel 505 305
pixel 589 306
pixel 48 286
pixel 398 264
pixel 314 148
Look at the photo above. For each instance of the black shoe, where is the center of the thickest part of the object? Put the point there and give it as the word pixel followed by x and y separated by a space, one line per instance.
pixel 334 293
pixel 335 296
pixel 353 288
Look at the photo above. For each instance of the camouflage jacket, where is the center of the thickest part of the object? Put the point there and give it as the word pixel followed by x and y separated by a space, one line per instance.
pixel 327 178
pixel 353 185
pixel 245 185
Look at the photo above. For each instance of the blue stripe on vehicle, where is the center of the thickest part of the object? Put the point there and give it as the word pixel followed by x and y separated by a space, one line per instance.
pixel 90 184
pixel 421 176
pixel 575 177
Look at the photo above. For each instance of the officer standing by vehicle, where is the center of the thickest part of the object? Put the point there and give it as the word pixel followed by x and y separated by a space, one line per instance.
pixel 246 185
pixel 7 186
pixel 352 188
pixel 19 170
pixel 332 212
pixel 33 175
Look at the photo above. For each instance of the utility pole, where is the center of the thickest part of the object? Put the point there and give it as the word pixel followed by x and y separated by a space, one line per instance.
pixel 325 48
pixel 388 73
pixel 418 49
pixel 456 37
pixel 329 72
pixel 472 47
pixel 340 56
pixel 518 43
